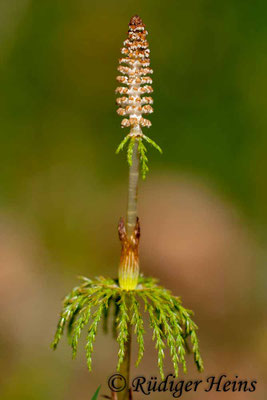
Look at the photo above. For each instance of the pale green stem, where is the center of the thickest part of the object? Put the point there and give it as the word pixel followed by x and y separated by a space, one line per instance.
pixel 131 223
pixel 132 191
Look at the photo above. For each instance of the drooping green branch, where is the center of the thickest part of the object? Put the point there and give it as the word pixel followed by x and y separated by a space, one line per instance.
pixel 142 150
pixel 170 322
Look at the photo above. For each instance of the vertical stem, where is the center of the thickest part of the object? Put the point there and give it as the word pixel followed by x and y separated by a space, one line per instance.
pixel 131 225
pixel 132 191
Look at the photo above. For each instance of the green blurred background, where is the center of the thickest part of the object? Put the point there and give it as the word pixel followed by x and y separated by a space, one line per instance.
pixel 203 207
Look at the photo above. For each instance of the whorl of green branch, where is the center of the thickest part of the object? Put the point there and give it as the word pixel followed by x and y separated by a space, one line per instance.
pixel 141 149
pixel 171 323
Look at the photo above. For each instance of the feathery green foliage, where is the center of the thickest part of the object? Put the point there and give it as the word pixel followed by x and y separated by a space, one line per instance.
pixel 171 323
pixel 142 150
pixel 122 144
pixel 122 327
pixel 138 323
pixel 154 144
pixel 143 158
pixel 93 330
pixel 130 151
pixel 157 333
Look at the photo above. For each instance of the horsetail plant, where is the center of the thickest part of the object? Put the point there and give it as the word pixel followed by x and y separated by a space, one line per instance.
pixel 131 295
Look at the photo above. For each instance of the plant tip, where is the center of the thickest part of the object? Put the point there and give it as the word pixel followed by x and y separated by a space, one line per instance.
pixel 136 21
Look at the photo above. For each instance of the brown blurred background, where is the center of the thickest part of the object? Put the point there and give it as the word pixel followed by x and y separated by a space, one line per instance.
pixel 203 207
